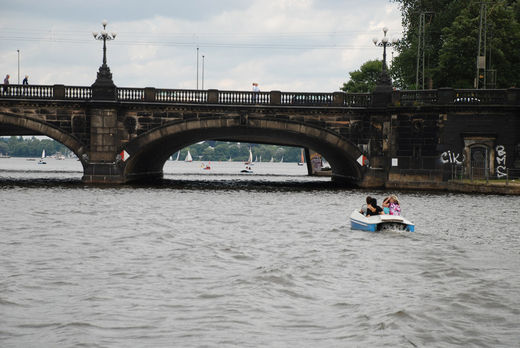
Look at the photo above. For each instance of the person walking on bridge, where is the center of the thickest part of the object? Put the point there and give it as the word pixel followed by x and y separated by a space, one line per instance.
pixel 256 90
pixel 25 80
pixel 6 84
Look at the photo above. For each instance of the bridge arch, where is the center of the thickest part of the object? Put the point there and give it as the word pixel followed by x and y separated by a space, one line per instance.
pixel 41 128
pixel 149 151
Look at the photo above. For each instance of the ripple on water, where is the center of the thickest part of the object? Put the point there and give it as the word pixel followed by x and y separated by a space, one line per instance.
pixel 252 263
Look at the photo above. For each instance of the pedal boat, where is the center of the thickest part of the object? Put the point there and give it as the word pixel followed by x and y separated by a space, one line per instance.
pixel 375 223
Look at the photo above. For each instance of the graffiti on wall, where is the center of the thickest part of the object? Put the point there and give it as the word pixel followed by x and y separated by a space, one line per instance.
pixel 501 161
pixel 453 158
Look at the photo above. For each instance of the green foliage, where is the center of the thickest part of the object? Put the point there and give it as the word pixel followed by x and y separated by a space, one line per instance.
pixel 204 151
pixel 364 80
pixel 451 40
pixel 30 147
pixel 223 151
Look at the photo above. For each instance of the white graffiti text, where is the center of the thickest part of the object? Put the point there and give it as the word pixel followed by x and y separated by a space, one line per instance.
pixel 454 158
pixel 501 161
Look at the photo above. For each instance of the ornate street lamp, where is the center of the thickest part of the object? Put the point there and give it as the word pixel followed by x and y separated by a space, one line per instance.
pixel 384 78
pixel 104 87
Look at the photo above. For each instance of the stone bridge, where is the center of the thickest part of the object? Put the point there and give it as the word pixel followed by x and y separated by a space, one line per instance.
pixel 405 135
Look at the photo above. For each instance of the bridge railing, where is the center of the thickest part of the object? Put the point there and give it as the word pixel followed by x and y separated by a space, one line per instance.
pixel 244 98
pixel 130 94
pixel 310 99
pixel 442 96
pixel 357 99
pixel 407 98
pixel 181 96
pixel 480 96
pixel 78 93
pixel 25 91
pixel 446 96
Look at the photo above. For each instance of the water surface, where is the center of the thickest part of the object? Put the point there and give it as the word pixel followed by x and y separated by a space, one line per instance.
pixel 223 259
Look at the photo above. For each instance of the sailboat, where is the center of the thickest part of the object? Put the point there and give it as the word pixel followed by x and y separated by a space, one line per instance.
pixel 281 160
pixel 178 154
pixel 250 159
pixel 248 164
pixel 207 166
pixel 272 159
pixel 324 164
pixel 188 157
pixel 302 160
pixel 42 160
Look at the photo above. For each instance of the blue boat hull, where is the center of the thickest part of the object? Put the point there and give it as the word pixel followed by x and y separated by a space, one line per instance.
pixel 361 222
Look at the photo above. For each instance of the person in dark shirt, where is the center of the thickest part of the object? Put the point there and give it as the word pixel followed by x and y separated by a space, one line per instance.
pixel 373 208
pixel 364 206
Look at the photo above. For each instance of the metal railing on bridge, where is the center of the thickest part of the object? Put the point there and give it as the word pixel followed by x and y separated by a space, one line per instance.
pixel 405 98
pixel 447 96
pixel 481 174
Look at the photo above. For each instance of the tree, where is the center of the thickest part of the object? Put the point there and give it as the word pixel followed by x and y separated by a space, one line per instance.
pixel 461 43
pixel 451 42
pixel 364 80
pixel 31 147
pixel 4 148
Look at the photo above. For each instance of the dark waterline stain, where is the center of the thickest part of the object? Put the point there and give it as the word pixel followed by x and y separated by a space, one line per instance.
pixel 240 185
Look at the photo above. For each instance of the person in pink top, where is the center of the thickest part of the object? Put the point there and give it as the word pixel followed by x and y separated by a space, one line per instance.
pixel 395 208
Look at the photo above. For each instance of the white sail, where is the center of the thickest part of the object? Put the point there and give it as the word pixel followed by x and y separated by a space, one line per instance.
pixel 272 159
pixel 250 159
pixel 42 160
pixel 188 157
pixel 178 154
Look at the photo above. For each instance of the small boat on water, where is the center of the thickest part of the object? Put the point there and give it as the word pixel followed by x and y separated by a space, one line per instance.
pixel 247 170
pixel 302 159
pixel 375 223
pixel 42 159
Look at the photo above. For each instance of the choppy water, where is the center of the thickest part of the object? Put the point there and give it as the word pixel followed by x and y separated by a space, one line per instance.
pixel 249 261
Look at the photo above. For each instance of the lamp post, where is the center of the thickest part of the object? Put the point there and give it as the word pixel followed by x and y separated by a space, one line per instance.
pixel 18 66
pixel 382 95
pixel 384 78
pixel 202 72
pixel 103 87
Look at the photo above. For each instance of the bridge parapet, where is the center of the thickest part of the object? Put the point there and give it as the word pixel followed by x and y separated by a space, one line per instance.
pixel 212 96
pixel 406 98
pixel 448 96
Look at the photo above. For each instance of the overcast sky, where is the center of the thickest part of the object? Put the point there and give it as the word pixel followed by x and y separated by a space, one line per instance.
pixel 287 45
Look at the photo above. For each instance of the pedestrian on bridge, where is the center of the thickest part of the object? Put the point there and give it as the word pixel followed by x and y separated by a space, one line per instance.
pixel 255 92
pixel 6 84
pixel 25 80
